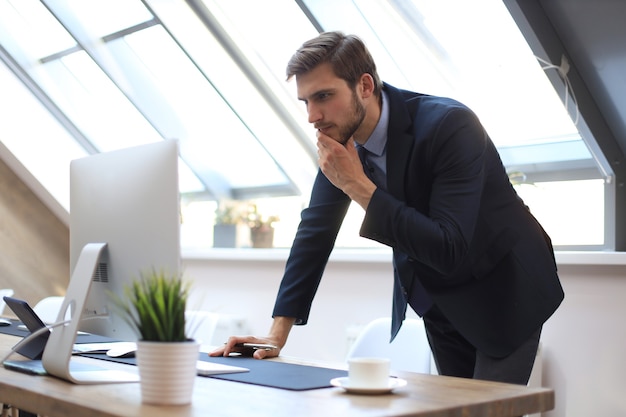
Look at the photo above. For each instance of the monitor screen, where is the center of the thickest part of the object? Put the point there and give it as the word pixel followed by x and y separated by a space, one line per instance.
pixel 129 200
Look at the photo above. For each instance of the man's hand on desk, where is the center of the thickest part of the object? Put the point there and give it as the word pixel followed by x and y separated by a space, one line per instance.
pixel 258 348
pixel 281 326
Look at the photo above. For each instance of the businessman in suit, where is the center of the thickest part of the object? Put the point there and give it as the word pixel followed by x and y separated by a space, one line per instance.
pixel 468 256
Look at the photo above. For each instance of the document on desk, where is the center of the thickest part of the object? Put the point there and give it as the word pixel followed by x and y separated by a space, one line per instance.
pixel 211 368
pixel 101 347
pixel 204 368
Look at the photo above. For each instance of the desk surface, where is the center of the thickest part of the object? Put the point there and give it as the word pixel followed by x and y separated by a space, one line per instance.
pixel 424 395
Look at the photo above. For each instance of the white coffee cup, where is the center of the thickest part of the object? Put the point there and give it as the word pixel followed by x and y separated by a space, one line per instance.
pixel 368 372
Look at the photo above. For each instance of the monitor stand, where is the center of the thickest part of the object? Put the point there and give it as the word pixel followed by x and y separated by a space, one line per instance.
pixel 57 356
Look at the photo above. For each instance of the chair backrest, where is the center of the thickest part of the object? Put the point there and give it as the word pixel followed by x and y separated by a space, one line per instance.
pixel 409 351
pixel 4 292
pixel 48 308
pixel 201 325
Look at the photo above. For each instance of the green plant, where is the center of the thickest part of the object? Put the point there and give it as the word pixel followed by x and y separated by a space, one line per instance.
pixel 154 306
pixel 229 213
pixel 256 220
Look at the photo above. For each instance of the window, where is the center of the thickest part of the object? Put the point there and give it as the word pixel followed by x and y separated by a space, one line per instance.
pixel 104 74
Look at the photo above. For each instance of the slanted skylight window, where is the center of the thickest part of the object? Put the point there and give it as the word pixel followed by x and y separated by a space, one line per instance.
pixel 106 74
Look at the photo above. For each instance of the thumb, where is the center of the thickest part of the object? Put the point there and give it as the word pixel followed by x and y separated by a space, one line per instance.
pixel 259 354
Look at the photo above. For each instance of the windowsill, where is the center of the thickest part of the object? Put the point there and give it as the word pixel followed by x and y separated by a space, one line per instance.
pixel 380 255
pixel 590 258
pixel 281 254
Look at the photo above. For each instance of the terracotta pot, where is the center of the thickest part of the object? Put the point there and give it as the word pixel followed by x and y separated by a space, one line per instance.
pixel 262 237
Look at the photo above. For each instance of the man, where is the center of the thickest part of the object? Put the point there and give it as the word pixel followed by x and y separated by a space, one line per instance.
pixel 467 254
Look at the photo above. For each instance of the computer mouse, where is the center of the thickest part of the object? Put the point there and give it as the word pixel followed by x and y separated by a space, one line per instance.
pixel 5 322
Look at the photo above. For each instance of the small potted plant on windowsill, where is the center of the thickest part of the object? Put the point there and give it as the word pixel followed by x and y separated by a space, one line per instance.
pixel 261 228
pixel 229 230
pixel 154 306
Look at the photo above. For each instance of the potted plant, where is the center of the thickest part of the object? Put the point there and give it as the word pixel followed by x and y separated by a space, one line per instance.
pixel 261 228
pixel 154 306
pixel 229 229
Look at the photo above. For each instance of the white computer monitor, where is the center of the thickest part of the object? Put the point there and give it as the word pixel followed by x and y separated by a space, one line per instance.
pixel 128 199
pixel 124 220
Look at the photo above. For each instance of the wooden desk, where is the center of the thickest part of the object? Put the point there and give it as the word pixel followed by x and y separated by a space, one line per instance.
pixel 424 395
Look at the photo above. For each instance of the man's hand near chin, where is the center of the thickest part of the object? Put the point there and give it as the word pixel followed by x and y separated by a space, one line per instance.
pixel 343 168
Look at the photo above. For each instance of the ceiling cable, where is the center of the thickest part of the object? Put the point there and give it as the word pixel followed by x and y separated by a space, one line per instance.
pixel 563 70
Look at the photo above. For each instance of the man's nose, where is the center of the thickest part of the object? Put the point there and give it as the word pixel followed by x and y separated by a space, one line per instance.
pixel 314 114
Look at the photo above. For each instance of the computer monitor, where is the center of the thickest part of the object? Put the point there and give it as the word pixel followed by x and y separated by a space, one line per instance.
pixel 124 220
pixel 128 199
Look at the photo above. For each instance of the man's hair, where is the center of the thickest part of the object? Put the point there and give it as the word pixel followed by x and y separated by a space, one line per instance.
pixel 347 55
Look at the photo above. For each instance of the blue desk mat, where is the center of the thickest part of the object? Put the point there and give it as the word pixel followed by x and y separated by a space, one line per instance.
pixel 277 374
pixel 262 372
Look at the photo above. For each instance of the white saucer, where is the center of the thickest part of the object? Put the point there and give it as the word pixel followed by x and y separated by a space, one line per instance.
pixel 344 383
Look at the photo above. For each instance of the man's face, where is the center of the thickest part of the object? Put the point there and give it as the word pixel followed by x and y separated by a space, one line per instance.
pixel 333 107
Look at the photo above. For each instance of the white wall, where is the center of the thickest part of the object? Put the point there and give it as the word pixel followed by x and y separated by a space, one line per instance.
pixel 584 343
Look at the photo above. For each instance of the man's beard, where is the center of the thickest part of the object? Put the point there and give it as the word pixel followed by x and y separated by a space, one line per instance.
pixel 351 126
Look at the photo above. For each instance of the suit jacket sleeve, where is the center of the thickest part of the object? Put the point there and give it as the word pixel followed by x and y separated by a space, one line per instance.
pixel 315 239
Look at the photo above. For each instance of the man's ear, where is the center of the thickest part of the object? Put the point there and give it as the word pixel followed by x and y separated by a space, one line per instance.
pixel 366 84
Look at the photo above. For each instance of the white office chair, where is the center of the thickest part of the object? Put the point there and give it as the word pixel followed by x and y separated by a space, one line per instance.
pixel 4 292
pixel 409 351
pixel 201 325
pixel 48 309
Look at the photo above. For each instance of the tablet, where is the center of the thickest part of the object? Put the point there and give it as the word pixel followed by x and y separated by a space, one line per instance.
pixel 33 349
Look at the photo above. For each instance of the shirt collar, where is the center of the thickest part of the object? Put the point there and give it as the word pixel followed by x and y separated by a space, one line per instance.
pixel 377 141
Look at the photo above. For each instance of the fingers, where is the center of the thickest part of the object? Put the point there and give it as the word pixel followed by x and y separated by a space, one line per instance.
pixel 258 348
pixel 230 346
pixel 263 354
pixel 217 352
pixel 323 140
pixel 328 148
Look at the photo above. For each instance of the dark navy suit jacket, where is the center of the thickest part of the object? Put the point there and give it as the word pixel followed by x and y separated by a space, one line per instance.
pixel 454 222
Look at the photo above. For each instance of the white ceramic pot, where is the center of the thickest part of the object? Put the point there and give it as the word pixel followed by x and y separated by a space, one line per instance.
pixel 167 371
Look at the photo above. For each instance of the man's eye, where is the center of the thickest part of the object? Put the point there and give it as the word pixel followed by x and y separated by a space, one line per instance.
pixel 322 96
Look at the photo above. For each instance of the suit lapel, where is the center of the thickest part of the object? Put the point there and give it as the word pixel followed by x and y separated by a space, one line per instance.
pixel 399 141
